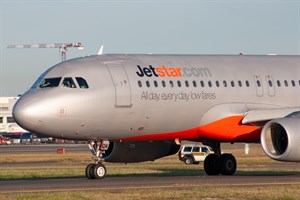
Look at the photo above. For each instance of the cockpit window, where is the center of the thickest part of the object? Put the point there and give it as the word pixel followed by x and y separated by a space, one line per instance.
pixel 39 80
pixel 68 82
pixel 37 83
pixel 50 82
pixel 82 82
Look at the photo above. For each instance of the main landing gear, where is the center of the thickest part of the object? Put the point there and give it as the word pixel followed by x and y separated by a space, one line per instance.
pixel 215 164
pixel 95 170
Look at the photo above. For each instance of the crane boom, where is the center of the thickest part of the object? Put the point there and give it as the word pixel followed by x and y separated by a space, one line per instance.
pixel 61 46
pixel 55 45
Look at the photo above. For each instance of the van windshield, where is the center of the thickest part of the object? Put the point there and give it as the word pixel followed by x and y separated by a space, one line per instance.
pixel 50 82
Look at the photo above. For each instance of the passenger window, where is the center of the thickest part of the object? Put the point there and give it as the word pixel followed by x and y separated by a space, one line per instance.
pixel 147 83
pixel 278 83
pixel 187 83
pixel 293 83
pixel 179 83
pixel 50 82
pixel 247 83
pixel 1 120
pixel 202 83
pixel 196 149
pixel 163 83
pixel 232 83
pixel 286 83
pixel 270 83
pixel 140 83
pixel 240 83
pixel 258 83
pixel 155 84
pixel 194 83
pixel 209 84
pixel 204 149
pixel 224 83
pixel 171 83
pixel 68 82
pixel 217 84
pixel 187 149
pixel 82 82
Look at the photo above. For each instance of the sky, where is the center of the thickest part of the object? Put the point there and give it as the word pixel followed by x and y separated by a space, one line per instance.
pixel 158 27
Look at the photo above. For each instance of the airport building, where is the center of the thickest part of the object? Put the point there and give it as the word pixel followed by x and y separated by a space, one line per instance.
pixel 8 126
pixel 10 129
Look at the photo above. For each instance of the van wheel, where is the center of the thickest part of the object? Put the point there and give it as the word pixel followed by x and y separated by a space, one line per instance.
pixel 188 160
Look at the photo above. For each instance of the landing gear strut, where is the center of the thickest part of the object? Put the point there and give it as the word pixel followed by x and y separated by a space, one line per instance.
pixel 95 170
pixel 215 164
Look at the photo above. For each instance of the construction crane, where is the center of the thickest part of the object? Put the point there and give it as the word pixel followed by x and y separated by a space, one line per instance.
pixel 61 46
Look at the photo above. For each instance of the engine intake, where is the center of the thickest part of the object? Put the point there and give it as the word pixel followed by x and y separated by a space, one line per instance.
pixel 131 152
pixel 280 139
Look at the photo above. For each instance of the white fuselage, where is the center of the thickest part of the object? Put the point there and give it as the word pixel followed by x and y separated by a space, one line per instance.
pixel 129 96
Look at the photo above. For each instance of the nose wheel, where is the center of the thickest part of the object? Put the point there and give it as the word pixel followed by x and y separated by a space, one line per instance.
pixel 97 170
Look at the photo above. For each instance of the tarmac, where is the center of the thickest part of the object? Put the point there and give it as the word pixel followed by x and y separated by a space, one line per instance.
pixel 113 184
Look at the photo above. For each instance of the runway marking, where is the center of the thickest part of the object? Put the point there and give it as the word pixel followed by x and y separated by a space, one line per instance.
pixel 152 187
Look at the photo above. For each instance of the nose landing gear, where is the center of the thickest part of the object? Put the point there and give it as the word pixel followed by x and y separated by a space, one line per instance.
pixel 96 170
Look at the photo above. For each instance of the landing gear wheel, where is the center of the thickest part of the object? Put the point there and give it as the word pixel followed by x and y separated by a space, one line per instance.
pixel 99 171
pixel 188 160
pixel 227 164
pixel 89 171
pixel 211 164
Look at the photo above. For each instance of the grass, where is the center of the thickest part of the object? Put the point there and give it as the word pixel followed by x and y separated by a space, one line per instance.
pixel 47 165
pixel 72 164
pixel 265 193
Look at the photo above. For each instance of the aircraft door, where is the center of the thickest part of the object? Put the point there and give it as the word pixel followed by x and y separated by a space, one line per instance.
pixel 121 84
pixel 259 86
pixel 271 87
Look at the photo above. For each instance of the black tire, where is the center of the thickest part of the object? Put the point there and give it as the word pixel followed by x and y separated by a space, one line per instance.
pixel 89 171
pixel 211 166
pixel 188 160
pixel 227 164
pixel 99 171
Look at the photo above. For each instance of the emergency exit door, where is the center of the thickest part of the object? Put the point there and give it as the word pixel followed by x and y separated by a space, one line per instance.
pixel 259 86
pixel 121 84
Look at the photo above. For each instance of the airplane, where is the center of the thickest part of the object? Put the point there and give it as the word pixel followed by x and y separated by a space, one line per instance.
pixel 136 108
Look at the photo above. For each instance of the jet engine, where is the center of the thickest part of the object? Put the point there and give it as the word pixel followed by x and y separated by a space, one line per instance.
pixel 280 139
pixel 130 152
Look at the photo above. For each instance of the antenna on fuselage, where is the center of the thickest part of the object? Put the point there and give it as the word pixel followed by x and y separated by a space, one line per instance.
pixel 62 47
pixel 100 52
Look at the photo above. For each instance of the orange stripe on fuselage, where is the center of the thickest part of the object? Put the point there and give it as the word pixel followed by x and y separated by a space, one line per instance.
pixel 228 129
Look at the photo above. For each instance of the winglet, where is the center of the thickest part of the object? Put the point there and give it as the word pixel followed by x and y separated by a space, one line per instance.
pixel 100 52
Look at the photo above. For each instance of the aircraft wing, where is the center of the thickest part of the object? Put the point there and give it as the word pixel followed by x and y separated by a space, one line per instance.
pixel 269 114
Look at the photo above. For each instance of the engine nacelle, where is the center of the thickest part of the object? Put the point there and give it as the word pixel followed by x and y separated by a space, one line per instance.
pixel 131 152
pixel 280 139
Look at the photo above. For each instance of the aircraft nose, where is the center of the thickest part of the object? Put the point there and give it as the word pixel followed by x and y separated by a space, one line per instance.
pixel 27 113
